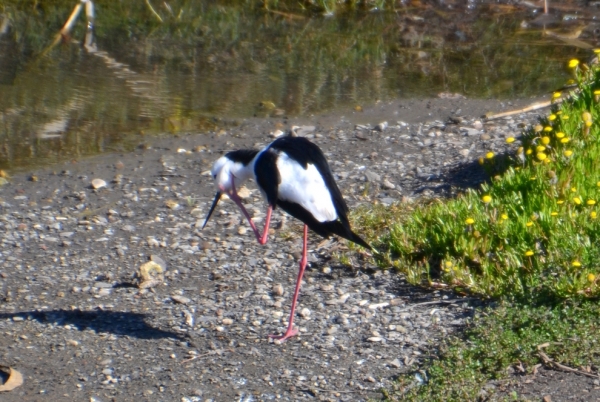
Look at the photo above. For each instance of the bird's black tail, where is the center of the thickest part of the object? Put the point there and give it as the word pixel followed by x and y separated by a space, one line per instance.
pixel 337 228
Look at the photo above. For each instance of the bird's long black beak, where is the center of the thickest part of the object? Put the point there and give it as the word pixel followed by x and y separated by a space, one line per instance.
pixel 212 208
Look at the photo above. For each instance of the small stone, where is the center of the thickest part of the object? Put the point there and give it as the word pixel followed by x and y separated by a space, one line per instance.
pixel 72 342
pixel 304 313
pixel 375 339
pixel 150 275
pixel 388 185
pixel 227 321
pixel 372 176
pixel 98 183
pixel 172 204
pixel 381 126
pixel 242 230
pixel 276 134
pixel 181 299
pixel 395 363
pixel 278 289
pixel 464 152
pixel 244 192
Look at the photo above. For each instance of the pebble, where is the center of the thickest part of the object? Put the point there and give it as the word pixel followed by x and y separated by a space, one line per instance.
pixel 181 299
pixel 98 183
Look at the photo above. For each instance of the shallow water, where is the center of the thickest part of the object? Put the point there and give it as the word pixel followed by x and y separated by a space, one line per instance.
pixel 210 63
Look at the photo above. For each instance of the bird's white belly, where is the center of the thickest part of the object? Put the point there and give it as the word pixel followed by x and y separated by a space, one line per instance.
pixel 306 188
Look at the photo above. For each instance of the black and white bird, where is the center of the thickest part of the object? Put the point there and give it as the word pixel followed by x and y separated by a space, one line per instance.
pixel 292 174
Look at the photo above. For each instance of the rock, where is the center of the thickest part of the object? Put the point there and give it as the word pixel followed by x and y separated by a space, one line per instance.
pixel 305 313
pixel 371 176
pixel 98 183
pixel 381 126
pixel 276 134
pixel 150 275
pixel 278 289
pixel 388 185
pixel 181 299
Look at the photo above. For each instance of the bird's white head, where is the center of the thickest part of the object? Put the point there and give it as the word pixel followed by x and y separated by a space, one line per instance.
pixel 229 172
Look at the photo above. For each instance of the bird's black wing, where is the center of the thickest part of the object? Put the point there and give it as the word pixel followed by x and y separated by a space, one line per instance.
pixel 244 156
pixel 304 152
pixel 267 175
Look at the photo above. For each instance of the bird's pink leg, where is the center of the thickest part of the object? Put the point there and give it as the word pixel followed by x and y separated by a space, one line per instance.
pixel 236 198
pixel 265 235
pixel 290 330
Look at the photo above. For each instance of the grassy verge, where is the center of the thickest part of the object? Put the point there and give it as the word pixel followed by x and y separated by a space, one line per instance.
pixel 528 238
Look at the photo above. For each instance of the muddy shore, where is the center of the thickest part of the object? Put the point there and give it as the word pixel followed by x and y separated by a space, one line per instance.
pixel 76 324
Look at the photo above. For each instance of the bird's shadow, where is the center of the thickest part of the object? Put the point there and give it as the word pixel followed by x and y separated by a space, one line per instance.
pixel 114 322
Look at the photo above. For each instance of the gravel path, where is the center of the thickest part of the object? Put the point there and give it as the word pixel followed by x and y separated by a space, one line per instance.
pixel 75 323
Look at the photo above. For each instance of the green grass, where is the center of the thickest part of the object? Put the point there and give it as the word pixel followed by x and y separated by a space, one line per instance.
pixel 531 233
pixel 501 338
pixel 528 239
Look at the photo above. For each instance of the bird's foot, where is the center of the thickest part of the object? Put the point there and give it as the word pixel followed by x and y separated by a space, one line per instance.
pixel 282 338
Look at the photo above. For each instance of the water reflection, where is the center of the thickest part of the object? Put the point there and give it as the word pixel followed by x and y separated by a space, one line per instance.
pixel 212 60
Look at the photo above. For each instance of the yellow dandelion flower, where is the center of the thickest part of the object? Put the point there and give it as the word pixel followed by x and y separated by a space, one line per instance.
pixel 529 152
pixel 547 129
pixel 545 140
pixel 565 140
pixel 510 140
pixel 560 134
pixel 591 202
pixel 556 95
pixel 568 153
pixel 588 123
pixel 528 253
pixel 593 215
pixel 504 216
pixel 576 263
pixel 448 264
pixel 529 224
pixel 486 199
pixel 573 63
pixel 565 117
pixel 577 200
pixel 552 117
pixel 470 221
pixel 597 51
pixel 559 202
pixel 591 277
pixel 598 184
pixel 541 156
pixel 540 148
pixel 586 116
pixel 489 155
pixel 481 161
pixel 553 213
pixel 597 92
pixel 573 189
